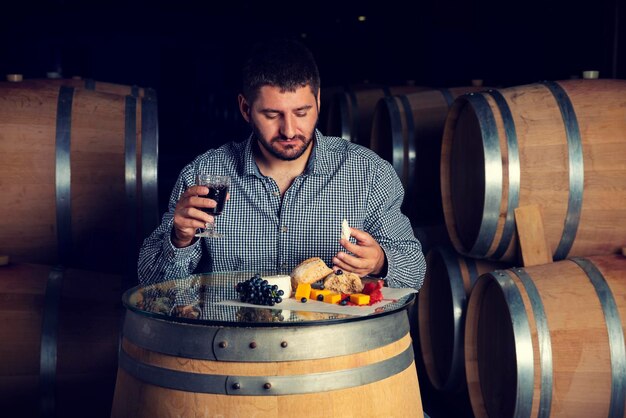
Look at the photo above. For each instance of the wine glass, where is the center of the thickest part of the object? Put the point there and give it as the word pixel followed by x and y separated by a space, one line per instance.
pixel 218 189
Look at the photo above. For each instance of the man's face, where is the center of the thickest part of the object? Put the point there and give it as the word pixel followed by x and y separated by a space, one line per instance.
pixel 284 122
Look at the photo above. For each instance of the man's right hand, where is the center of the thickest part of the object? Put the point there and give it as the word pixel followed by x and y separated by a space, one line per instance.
pixel 188 217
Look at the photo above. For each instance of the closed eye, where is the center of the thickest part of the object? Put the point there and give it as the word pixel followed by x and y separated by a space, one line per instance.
pixel 271 115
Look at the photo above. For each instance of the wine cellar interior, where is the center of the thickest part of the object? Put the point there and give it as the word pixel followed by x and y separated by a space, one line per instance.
pixel 505 122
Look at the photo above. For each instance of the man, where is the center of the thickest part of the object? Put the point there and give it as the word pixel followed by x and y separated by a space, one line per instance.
pixel 291 188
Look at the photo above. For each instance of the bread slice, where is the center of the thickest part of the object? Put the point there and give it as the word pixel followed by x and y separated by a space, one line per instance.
pixel 343 283
pixel 309 271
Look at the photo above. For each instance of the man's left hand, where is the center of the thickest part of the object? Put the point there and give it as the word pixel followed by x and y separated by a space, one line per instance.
pixel 367 256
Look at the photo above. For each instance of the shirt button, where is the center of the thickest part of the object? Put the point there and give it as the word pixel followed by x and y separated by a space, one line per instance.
pixel 276 194
pixel 283 228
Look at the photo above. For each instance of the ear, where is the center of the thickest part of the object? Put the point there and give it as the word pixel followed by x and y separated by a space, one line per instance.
pixel 319 103
pixel 244 107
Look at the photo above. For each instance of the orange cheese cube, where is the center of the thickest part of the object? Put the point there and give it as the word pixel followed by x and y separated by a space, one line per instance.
pixel 359 299
pixel 332 298
pixel 316 292
pixel 303 291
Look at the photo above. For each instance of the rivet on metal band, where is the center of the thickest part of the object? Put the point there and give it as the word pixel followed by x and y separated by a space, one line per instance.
pixel 266 385
pixel 513 172
pixel 523 345
pixel 49 343
pixel 493 175
pixel 615 332
pixel 576 170
pixel 63 173
pixel 544 341
pixel 233 343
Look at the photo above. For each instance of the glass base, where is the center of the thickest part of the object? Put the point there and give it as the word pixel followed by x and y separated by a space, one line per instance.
pixel 209 231
pixel 209 234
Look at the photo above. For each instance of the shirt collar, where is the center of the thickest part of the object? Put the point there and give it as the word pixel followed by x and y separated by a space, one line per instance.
pixel 317 164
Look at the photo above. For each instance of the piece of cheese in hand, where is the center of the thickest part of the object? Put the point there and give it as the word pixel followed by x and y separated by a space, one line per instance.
pixel 345 230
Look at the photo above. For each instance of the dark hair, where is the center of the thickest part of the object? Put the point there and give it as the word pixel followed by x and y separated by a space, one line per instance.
pixel 283 63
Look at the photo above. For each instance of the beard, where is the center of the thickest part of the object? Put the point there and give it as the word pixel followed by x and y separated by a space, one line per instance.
pixel 283 152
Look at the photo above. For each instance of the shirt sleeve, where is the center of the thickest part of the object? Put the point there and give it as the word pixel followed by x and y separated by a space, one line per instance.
pixel 159 260
pixel 392 230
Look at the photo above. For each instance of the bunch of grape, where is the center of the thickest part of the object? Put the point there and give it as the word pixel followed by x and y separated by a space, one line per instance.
pixel 257 291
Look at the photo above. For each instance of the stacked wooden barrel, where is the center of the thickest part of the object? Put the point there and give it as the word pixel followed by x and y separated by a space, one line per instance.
pixel 60 337
pixel 78 164
pixel 406 131
pixel 351 110
pixel 556 144
pixel 80 168
pixel 546 339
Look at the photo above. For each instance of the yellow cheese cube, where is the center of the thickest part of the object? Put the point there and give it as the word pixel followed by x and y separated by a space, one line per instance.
pixel 303 291
pixel 316 292
pixel 359 299
pixel 332 298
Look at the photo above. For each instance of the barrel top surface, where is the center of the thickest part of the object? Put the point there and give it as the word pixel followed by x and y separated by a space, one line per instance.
pixel 196 300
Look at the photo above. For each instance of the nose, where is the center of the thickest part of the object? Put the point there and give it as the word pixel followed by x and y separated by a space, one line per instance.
pixel 288 126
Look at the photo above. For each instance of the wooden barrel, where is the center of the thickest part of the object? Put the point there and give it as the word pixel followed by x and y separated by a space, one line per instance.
pixel 407 131
pixel 442 302
pixel 91 84
pixel 351 110
pixel 548 340
pixel 560 145
pixel 360 368
pixel 81 175
pixel 60 338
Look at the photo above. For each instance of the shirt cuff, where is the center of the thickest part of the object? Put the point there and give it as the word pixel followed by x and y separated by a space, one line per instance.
pixel 173 252
pixel 388 272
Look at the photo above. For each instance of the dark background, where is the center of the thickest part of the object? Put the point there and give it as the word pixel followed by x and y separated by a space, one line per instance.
pixel 190 51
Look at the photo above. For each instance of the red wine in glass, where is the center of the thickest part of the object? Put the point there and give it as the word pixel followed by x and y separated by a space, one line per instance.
pixel 217 193
pixel 218 189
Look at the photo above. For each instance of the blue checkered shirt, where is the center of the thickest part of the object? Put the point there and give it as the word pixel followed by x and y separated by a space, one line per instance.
pixel 342 180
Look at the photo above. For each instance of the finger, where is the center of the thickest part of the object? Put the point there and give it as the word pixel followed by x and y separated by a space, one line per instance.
pixel 361 237
pixel 193 214
pixel 340 265
pixel 358 250
pixel 195 191
pixel 201 202
pixel 191 224
pixel 362 247
pixel 350 262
